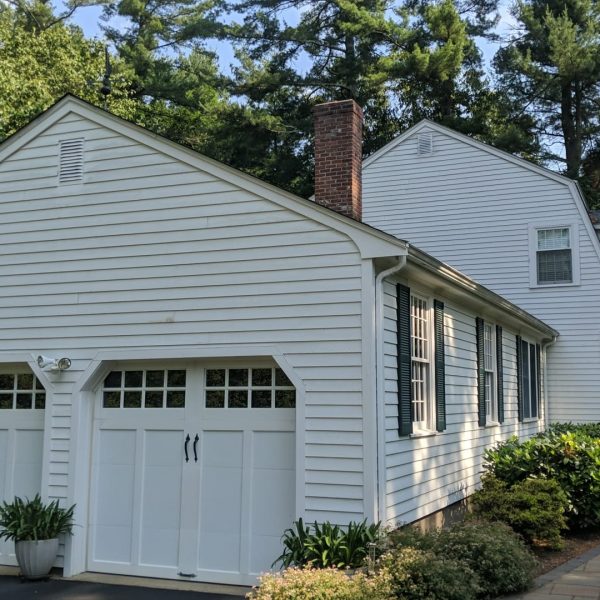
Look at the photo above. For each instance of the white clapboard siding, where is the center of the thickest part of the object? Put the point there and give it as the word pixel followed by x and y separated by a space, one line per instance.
pixel 150 252
pixel 472 209
pixel 426 474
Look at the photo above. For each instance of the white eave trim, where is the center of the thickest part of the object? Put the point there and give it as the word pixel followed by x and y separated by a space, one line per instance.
pixel 482 294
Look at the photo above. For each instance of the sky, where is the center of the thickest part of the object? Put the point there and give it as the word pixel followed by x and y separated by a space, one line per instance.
pixel 88 18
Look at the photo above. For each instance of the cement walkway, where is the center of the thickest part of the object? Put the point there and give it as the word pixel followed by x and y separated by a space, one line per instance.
pixel 578 579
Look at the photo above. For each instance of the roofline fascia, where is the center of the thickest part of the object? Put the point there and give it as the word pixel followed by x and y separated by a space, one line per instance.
pixel 460 280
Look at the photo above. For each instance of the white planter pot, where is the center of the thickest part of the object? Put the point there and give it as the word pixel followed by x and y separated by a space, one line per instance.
pixel 36 557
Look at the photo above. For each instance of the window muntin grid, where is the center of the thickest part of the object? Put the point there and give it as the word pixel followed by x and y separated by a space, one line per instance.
pixel 490 371
pixel 554 256
pixel 151 388
pixel 21 391
pixel 262 387
pixel 420 362
pixel 531 380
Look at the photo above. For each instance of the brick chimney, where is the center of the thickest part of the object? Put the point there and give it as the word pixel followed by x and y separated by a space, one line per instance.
pixel 338 157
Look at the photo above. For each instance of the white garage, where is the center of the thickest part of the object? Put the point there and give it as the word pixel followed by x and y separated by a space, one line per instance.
pixel 193 471
pixel 22 404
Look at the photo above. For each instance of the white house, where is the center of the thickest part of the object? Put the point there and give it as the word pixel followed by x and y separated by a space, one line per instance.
pixel 519 229
pixel 237 356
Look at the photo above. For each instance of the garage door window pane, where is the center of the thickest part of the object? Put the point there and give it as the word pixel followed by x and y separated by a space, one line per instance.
pixel 263 387
pixel 18 390
pixel 154 388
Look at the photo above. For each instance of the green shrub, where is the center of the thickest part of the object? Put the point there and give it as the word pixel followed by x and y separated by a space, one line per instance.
pixel 534 508
pixel 320 584
pixel 499 558
pixel 571 458
pixel 422 575
pixel 328 545
pixel 22 520
pixel 591 429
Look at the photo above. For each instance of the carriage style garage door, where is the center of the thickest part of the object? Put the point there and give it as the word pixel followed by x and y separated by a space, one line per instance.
pixel 193 472
pixel 22 403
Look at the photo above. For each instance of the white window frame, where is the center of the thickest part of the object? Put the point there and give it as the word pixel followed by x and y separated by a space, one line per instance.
pixel 491 374
pixel 426 425
pixel 574 239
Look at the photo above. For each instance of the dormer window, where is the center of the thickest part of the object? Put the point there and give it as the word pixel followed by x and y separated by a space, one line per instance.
pixel 554 256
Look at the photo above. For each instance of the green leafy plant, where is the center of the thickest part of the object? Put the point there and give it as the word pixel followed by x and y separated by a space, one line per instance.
pixel 326 545
pixel 320 584
pixel 22 520
pixel 534 508
pixel 566 454
pixel 498 557
pixel 423 575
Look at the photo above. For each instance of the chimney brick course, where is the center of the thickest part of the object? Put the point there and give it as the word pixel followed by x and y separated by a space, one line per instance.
pixel 338 157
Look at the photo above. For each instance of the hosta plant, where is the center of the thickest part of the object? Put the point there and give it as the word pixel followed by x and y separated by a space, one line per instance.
pixel 25 520
pixel 326 545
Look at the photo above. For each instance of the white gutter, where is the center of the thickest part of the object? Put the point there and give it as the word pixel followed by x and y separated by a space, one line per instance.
pixel 380 387
pixel 545 347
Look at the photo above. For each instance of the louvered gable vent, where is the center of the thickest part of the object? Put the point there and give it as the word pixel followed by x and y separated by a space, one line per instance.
pixel 70 161
pixel 425 143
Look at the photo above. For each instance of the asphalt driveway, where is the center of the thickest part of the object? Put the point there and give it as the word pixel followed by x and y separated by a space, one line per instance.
pixel 11 588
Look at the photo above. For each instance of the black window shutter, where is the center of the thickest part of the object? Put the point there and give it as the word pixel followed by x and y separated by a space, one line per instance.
pixel 440 366
pixel 480 372
pixel 538 372
pixel 500 374
pixel 519 380
pixel 404 360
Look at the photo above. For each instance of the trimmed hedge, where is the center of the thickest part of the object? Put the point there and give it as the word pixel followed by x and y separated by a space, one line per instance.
pixel 495 558
pixel 534 508
pixel 320 584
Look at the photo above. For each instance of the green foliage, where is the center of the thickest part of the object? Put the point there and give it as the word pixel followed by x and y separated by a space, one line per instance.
pixel 319 584
pixel 422 575
pixel 37 67
pixel 534 508
pixel 496 559
pixel 328 545
pixel 23 520
pixel 591 429
pixel 499 558
pixel 572 459
pixel 551 68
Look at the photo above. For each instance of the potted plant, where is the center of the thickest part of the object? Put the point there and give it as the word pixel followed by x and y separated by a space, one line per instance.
pixel 35 528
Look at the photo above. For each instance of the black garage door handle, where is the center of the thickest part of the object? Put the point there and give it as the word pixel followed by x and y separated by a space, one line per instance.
pixel 185 447
pixel 195 444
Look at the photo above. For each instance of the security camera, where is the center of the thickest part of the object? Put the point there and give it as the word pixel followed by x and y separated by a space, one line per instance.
pixel 45 361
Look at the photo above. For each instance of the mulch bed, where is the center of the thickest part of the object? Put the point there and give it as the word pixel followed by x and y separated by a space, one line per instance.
pixel 575 544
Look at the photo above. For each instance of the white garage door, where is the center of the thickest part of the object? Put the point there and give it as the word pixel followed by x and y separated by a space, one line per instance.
pixel 193 472
pixel 22 403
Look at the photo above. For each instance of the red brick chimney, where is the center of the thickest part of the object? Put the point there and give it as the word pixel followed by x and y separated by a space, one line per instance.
pixel 338 157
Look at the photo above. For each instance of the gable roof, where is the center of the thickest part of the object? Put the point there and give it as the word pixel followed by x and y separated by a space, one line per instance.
pixel 370 241
pixel 573 186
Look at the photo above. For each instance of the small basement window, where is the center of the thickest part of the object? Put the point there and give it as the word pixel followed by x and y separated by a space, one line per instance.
pixel 21 391
pixel 154 388
pixel 249 388
pixel 70 161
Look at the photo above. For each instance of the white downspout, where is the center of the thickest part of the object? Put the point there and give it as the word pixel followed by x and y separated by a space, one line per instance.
pixel 380 377
pixel 545 356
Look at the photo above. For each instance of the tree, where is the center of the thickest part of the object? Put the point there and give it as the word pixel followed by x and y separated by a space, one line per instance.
pixel 39 64
pixel 551 68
